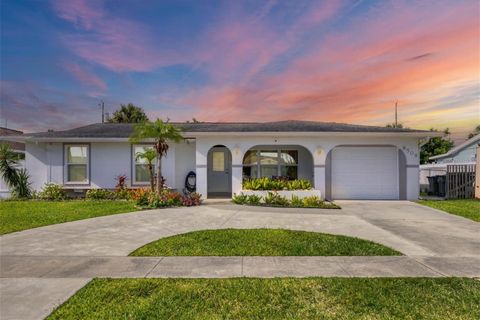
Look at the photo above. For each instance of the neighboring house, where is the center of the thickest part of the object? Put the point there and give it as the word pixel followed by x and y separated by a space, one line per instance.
pixel 342 161
pixel 463 153
pixel 16 146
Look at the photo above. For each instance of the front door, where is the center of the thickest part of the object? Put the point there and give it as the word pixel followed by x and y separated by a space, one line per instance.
pixel 219 178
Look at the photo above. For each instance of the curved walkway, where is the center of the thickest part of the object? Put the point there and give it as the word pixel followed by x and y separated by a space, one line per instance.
pixel 435 244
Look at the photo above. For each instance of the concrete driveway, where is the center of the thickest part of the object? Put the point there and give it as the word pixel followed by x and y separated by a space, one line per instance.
pixel 435 244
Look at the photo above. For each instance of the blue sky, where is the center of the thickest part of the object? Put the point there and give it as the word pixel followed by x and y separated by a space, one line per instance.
pixel 342 61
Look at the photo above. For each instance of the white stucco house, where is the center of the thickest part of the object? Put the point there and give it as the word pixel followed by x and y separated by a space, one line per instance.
pixel 342 161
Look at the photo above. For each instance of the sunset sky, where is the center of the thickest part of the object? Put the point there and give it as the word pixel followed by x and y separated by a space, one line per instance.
pixel 341 61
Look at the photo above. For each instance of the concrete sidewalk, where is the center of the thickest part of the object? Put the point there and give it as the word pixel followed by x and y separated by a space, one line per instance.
pixel 228 267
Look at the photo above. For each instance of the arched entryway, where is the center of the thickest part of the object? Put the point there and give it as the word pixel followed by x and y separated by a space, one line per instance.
pixel 219 172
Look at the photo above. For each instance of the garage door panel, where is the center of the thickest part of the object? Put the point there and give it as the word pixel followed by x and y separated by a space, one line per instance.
pixel 365 173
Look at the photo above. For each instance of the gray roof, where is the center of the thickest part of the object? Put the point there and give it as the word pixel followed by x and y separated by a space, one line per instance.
pixel 124 130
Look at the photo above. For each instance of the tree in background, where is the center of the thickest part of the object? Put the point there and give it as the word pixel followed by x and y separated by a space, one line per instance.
pixel 129 113
pixel 436 146
pixel 474 133
pixel 161 132
pixel 394 125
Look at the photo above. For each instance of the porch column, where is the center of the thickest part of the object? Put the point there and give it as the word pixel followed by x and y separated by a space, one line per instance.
pixel 201 169
pixel 237 171
pixel 319 167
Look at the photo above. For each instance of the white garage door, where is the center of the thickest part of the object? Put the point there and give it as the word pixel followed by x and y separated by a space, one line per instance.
pixel 365 173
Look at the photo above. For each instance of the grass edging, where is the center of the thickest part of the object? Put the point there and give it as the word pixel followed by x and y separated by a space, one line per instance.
pixel 278 298
pixel 262 242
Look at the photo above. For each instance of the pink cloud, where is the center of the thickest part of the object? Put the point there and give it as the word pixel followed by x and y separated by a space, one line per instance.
pixel 354 75
pixel 118 44
pixel 86 77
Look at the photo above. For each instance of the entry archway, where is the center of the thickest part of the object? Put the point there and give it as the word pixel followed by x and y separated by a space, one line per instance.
pixel 219 169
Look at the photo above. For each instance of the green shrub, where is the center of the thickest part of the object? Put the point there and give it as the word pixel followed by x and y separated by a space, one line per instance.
pixel 254 199
pixel 100 194
pixel 274 199
pixel 266 183
pixel 296 201
pixel 22 189
pixel 312 202
pixel 239 198
pixel 123 194
pixel 53 192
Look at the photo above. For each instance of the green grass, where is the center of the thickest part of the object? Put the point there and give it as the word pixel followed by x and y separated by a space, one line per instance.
pixel 281 298
pixel 22 215
pixel 261 242
pixel 469 208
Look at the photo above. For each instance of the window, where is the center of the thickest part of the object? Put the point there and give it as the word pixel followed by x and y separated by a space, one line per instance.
pixel 270 163
pixel 218 161
pixel 76 164
pixel 141 173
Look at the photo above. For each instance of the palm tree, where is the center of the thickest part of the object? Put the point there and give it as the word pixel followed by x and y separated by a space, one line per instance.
pixel 16 180
pixel 149 156
pixel 129 113
pixel 8 162
pixel 161 132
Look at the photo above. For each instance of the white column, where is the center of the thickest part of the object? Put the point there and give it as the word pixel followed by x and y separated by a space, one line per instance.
pixel 201 169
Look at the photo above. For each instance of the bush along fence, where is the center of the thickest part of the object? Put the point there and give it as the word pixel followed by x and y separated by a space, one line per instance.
pixel 274 199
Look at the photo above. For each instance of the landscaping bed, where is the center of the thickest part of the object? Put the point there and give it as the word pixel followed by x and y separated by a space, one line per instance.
pixel 281 298
pixel 276 199
pixel 467 208
pixel 262 242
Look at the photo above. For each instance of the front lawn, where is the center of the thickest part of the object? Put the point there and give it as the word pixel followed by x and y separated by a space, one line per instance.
pixel 261 242
pixel 468 208
pixel 280 298
pixel 22 215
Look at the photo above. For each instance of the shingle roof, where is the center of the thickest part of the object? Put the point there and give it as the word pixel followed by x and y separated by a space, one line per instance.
pixel 124 130
pixel 13 144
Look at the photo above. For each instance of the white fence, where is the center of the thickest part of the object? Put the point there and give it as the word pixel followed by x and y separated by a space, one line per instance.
pixel 430 170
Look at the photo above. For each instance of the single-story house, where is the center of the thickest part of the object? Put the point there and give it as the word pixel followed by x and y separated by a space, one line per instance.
pixel 465 152
pixel 342 161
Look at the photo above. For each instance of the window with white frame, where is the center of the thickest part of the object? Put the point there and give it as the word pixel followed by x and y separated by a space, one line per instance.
pixel 141 173
pixel 270 163
pixel 77 164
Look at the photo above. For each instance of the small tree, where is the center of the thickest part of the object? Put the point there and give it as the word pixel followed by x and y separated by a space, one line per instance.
pixel 16 180
pixel 128 114
pixel 394 125
pixel 475 132
pixel 149 156
pixel 436 146
pixel 161 132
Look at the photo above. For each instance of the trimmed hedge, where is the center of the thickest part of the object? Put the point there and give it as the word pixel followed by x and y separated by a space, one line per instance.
pixel 276 184
pixel 273 199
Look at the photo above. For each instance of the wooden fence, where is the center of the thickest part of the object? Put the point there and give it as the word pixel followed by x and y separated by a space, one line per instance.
pixel 460 181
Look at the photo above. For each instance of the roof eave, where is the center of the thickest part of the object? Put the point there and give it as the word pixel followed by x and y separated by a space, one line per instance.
pixel 190 135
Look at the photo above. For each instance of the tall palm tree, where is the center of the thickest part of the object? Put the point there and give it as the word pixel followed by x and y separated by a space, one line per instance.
pixel 161 132
pixel 149 156
pixel 129 113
